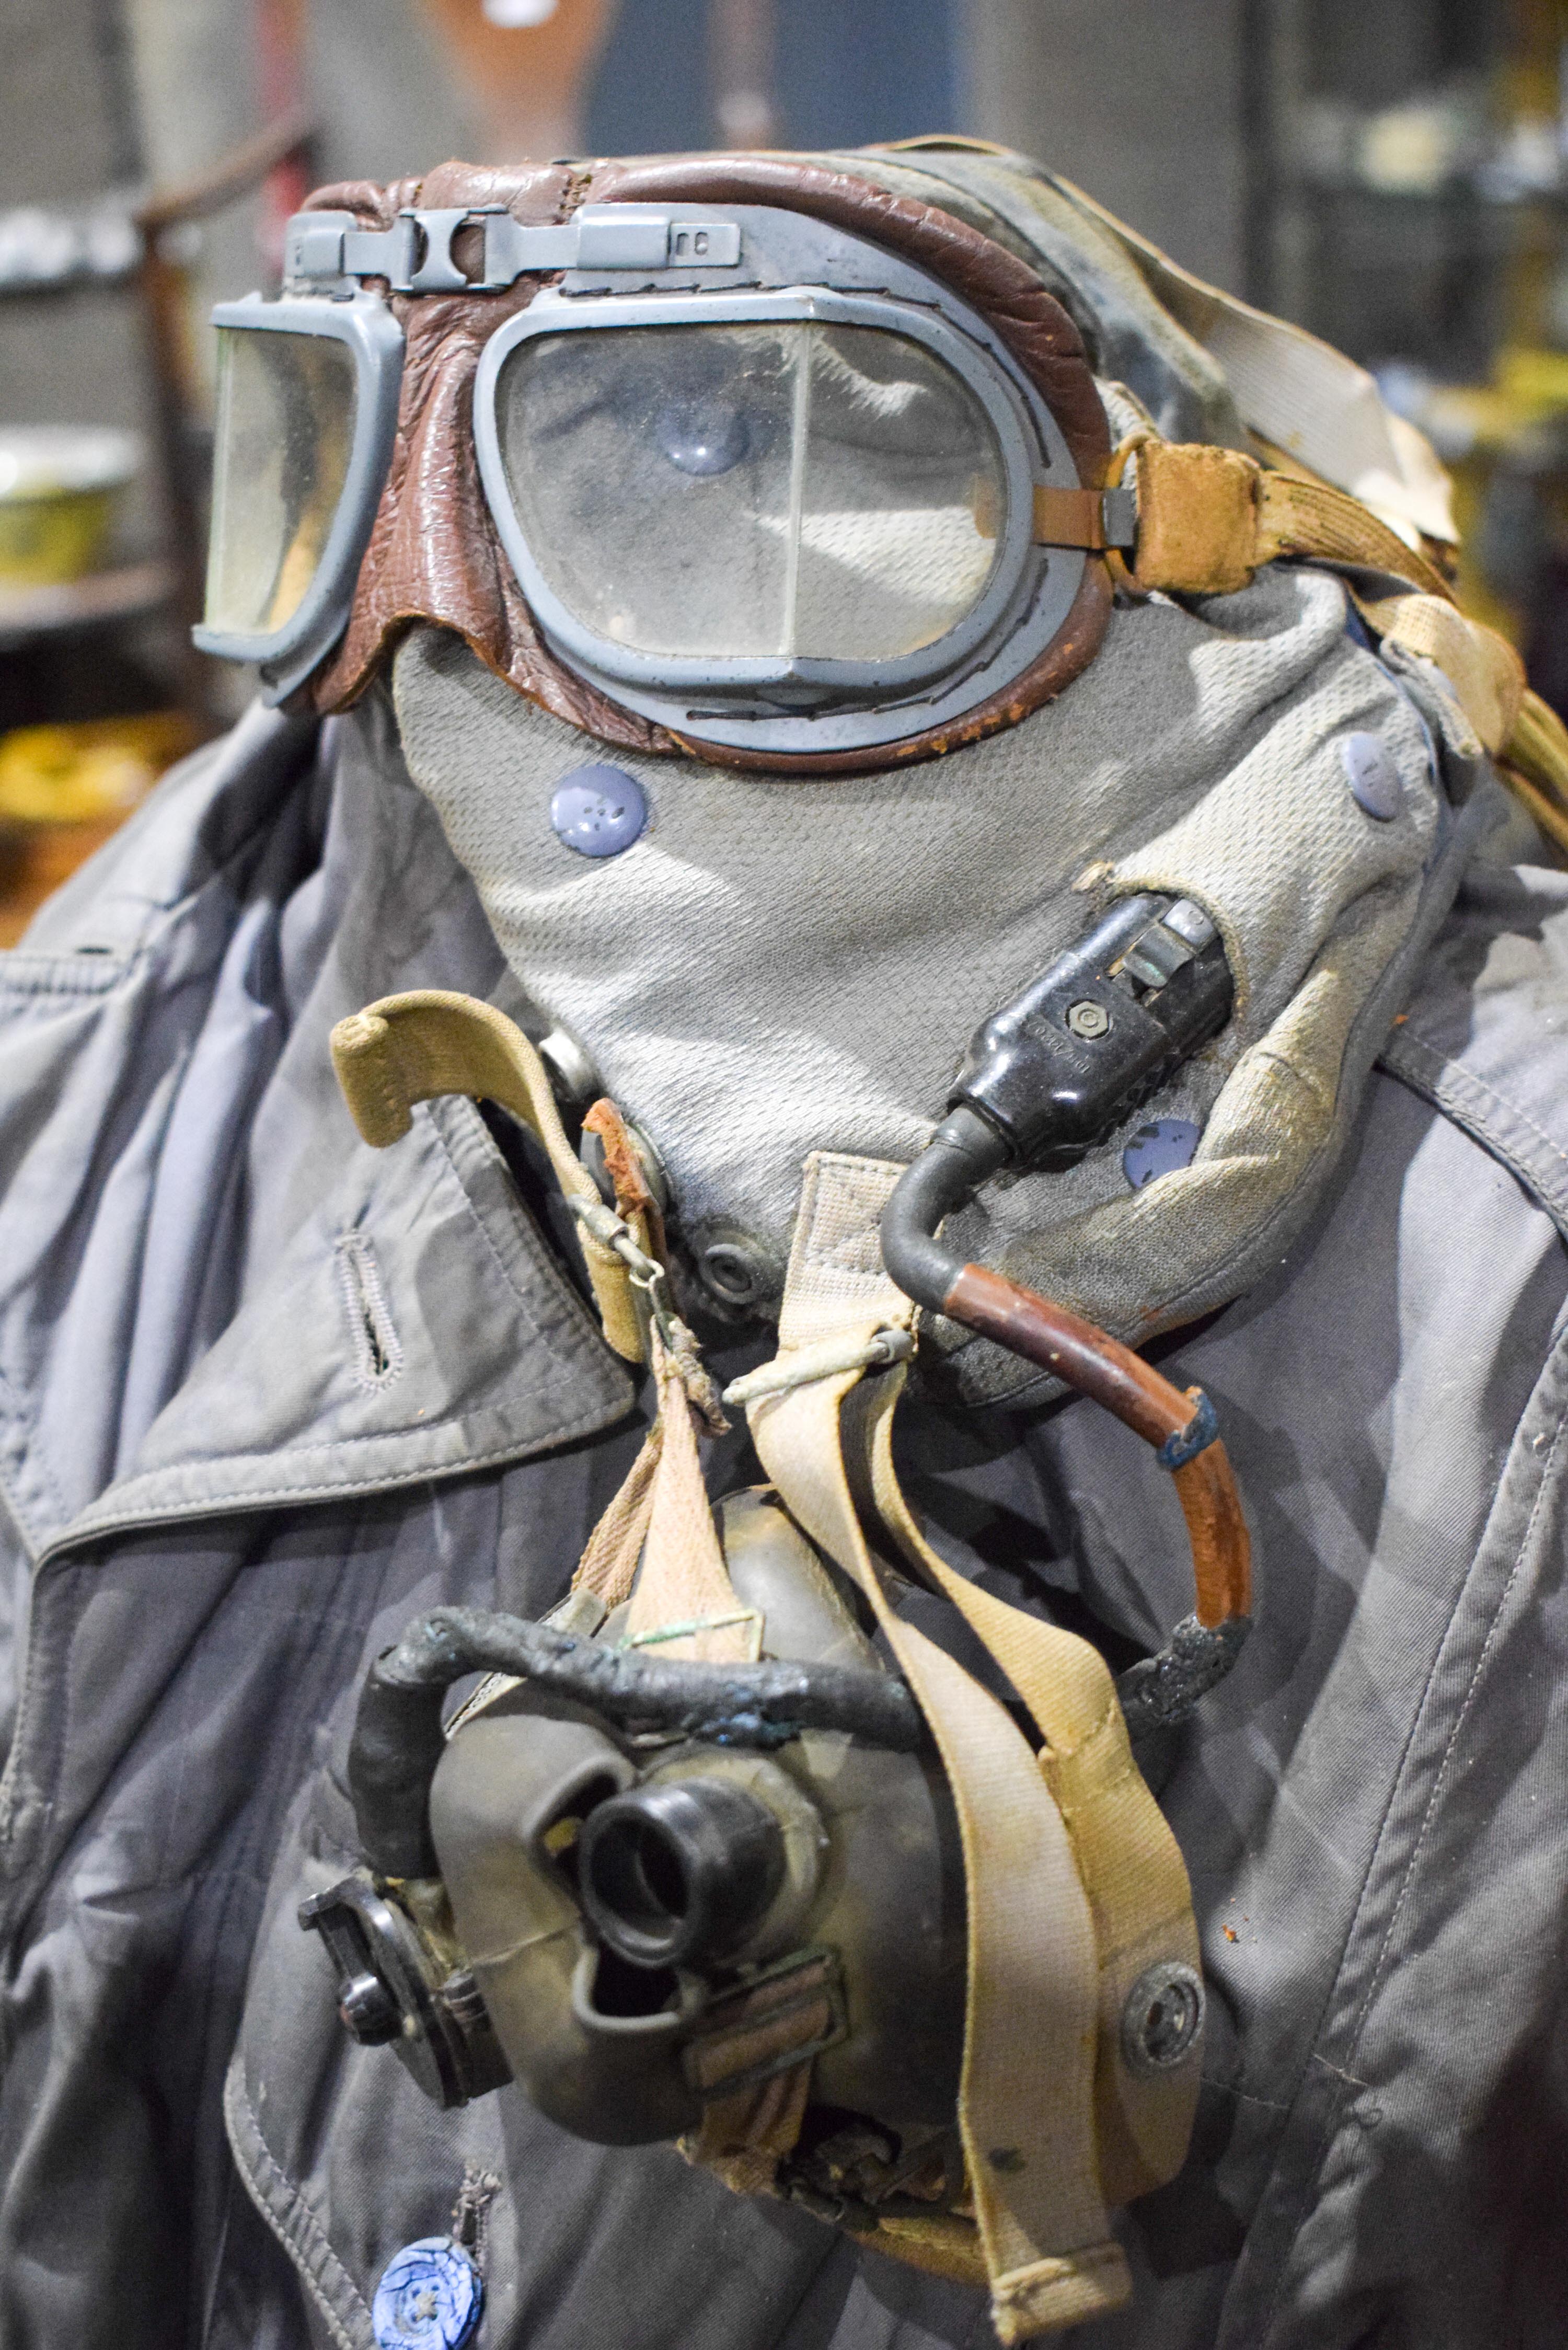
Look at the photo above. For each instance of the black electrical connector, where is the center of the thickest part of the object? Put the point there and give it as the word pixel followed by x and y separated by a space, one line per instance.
pixel 1045 1079
pixel 1057 1070
pixel 1060 1067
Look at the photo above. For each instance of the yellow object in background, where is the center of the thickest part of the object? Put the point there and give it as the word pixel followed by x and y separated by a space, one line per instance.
pixel 60 486
pixel 89 770
pixel 1535 381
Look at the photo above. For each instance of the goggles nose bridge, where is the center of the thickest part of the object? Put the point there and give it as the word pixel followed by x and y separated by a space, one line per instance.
pixel 434 271
pixel 414 254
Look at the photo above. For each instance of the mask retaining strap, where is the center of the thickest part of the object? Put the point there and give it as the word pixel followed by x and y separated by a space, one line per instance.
pixel 1074 1881
pixel 411 1048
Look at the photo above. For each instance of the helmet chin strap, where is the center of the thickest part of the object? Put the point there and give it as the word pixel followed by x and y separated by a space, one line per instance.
pixel 1072 1874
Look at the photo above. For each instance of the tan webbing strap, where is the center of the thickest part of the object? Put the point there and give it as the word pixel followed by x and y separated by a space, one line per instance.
pixel 1026 2097
pixel 1525 736
pixel 411 1048
pixel 684 1581
pixel 1486 673
pixel 1130 1861
pixel 1207 518
pixel 1300 517
pixel 609 1565
pixel 1535 766
pixel 683 1602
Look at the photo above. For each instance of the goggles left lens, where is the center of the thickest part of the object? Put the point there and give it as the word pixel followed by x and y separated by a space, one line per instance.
pixel 285 422
pixel 307 412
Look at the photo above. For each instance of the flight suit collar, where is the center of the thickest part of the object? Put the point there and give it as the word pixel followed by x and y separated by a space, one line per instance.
pixel 418 1327
pixel 212 1296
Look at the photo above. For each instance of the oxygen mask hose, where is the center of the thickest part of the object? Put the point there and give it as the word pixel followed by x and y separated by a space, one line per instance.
pixel 1045 1079
pixel 399 1737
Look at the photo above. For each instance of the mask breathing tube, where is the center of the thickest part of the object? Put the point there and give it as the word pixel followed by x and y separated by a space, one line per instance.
pixel 1045 1079
pixel 399 1737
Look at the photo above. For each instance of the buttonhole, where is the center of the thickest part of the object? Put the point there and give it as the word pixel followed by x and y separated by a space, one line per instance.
pixel 378 1354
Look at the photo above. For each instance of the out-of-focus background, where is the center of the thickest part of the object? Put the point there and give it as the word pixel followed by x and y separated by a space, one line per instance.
pixel 1395 178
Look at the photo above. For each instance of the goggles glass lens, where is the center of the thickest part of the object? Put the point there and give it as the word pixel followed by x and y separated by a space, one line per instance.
pixel 286 425
pixel 822 491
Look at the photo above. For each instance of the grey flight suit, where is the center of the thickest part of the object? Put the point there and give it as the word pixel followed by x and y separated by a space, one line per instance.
pixel 265 1393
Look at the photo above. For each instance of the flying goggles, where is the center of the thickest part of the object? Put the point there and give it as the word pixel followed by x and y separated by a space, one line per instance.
pixel 760 481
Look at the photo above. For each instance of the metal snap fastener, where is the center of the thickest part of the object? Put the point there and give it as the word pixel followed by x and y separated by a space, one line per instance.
pixel 599 811
pixel 1158 1148
pixel 1374 779
pixel 733 1272
pixel 430 2298
pixel 368 2010
pixel 1162 2018
pixel 1088 1019
pixel 571 1073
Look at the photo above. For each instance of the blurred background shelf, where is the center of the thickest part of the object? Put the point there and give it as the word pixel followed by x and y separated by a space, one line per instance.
pixel 131 591
pixel 1409 202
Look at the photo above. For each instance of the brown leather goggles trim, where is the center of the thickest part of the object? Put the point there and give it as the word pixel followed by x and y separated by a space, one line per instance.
pixel 433 554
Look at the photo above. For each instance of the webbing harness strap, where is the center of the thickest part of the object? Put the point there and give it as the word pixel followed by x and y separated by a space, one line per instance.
pixel 1209 518
pixel 1074 1882
pixel 411 1048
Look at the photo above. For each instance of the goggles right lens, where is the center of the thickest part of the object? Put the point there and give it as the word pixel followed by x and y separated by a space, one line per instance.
pixel 286 408
pixel 794 489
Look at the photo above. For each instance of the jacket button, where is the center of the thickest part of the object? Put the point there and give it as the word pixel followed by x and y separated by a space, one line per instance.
pixel 1159 1148
pixel 599 811
pixel 1373 777
pixel 430 2298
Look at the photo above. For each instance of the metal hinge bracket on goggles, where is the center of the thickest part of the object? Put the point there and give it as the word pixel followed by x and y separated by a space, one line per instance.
pixel 414 256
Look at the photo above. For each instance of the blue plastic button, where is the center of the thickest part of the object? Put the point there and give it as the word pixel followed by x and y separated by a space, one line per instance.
pixel 430 2298
pixel 599 811
pixel 1373 777
pixel 1159 1147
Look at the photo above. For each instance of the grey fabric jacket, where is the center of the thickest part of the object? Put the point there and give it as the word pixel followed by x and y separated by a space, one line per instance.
pixel 265 1393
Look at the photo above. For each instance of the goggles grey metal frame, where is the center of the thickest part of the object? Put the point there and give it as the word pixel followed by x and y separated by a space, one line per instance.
pixel 365 324
pixel 662 685
pixel 615 258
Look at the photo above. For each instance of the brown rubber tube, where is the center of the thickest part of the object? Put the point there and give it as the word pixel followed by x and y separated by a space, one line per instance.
pixel 1100 1367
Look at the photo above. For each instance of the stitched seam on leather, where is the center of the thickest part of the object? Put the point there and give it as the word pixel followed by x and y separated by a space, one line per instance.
pixel 296 2227
pixel 1329 2128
